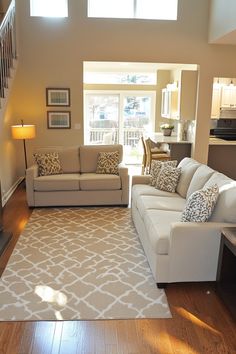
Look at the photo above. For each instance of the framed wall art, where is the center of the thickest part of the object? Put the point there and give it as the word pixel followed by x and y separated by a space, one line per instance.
pixel 58 97
pixel 59 120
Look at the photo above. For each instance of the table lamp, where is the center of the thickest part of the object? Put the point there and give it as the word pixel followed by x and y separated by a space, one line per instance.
pixel 23 132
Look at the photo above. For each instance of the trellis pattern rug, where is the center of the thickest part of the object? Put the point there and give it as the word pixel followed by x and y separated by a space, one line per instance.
pixel 80 263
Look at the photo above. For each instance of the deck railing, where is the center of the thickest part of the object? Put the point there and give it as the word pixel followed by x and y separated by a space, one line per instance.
pixel 8 50
pixel 130 136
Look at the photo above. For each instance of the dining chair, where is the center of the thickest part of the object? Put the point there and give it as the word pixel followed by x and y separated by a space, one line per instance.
pixel 144 162
pixel 155 151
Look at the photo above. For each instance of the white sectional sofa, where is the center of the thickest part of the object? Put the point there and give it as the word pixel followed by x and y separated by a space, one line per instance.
pixel 78 184
pixel 182 251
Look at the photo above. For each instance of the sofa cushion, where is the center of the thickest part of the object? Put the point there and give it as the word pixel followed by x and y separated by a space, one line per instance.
pixel 69 157
pixel 225 209
pixel 144 189
pixel 48 164
pixel 168 178
pixel 188 168
pixel 146 202
pixel 89 155
pixel 62 182
pixel 200 177
pixel 200 204
pixel 156 168
pixel 108 162
pixel 96 182
pixel 158 226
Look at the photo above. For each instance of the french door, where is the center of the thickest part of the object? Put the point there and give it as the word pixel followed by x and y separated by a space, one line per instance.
pixel 119 117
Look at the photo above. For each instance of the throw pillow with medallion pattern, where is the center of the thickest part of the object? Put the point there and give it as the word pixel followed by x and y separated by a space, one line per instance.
pixel 108 163
pixel 200 204
pixel 156 168
pixel 168 178
pixel 48 164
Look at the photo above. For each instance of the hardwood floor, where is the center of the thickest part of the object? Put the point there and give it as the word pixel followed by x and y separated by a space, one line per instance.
pixel 200 324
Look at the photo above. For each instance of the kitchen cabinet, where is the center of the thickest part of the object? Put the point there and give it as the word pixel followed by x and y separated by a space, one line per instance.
pixel 228 98
pixel 169 102
pixel 179 102
pixel 216 101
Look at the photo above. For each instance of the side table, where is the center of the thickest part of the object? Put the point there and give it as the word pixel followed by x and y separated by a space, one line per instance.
pixel 226 273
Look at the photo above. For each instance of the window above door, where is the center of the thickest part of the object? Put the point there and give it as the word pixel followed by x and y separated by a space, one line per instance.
pixel 138 9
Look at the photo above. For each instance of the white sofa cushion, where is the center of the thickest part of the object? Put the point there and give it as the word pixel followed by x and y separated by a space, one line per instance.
pixel 145 189
pixel 200 177
pixel 146 202
pixel 158 226
pixel 188 168
pixel 225 209
pixel 97 182
pixel 62 182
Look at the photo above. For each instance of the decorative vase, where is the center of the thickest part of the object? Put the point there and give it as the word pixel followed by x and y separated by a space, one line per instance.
pixel 167 132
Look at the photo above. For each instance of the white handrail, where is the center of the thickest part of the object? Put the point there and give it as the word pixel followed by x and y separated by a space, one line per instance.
pixel 8 51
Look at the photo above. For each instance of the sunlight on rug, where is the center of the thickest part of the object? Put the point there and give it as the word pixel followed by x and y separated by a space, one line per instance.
pixel 80 263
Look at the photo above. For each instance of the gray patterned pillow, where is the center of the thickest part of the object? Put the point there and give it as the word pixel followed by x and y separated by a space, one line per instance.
pixel 156 168
pixel 108 162
pixel 200 204
pixel 168 178
pixel 48 164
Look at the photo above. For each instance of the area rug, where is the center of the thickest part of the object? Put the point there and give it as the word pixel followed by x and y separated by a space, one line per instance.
pixel 80 263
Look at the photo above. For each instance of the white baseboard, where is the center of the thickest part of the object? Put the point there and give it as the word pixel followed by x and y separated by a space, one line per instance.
pixel 6 196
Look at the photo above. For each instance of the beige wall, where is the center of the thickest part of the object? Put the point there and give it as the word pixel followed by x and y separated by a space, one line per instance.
pixel 52 51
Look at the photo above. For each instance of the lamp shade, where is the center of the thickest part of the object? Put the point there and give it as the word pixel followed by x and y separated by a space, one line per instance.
pixel 23 131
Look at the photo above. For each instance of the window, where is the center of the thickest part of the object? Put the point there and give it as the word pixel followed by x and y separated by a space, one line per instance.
pixel 120 78
pixel 143 9
pixel 49 8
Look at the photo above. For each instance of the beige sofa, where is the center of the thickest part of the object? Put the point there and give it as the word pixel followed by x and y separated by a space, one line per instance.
pixel 79 184
pixel 182 251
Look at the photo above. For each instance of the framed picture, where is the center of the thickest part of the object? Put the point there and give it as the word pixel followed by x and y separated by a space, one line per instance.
pixel 59 120
pixel 58 97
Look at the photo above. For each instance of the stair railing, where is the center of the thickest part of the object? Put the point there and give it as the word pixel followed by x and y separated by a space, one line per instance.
pixel 8 50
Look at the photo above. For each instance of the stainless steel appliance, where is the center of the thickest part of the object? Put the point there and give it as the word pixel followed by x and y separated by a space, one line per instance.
pixel 225 129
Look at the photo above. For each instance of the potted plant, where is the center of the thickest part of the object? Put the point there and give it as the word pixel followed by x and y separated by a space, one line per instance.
pixel 167 129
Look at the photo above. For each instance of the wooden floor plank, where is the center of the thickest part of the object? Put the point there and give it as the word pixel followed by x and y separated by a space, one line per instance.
pixel 201 323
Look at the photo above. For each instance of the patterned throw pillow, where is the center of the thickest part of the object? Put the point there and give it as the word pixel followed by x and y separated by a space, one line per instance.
pixel 108 162
pixel 48 164
pixel 156 168
pixel 200 204
pixel 168 178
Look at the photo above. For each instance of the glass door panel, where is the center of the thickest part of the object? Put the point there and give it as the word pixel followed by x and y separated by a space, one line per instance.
pixel 137 118
pixel 120 117
pixel 102 118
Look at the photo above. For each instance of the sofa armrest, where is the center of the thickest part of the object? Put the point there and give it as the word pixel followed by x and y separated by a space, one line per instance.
pixel 124 176
pixel 31 173
pixel 123 169
pixel 141 179
pixel 194 250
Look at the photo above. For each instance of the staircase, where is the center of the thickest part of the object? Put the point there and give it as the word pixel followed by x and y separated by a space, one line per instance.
pixel 8 52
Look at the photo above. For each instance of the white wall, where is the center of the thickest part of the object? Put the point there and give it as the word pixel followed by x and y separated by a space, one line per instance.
pixel 52 51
